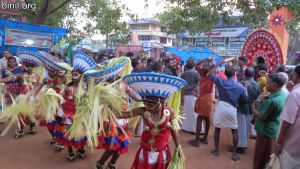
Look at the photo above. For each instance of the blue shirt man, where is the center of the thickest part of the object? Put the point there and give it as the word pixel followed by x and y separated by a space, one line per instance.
pixel 225 116
pixel 229 90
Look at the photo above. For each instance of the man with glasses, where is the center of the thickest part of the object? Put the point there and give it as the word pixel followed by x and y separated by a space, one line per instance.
pixel 267 120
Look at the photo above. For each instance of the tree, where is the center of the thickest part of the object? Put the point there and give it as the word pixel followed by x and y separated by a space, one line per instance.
pixel 200 15
pixel 254 12
pixel 107 14
pixel 50 12
pixel 173 20
pixel 189 16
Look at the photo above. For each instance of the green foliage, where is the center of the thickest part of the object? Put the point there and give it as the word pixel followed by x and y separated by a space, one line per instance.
pixel 107 14
pixel 173 19
pixel 254 12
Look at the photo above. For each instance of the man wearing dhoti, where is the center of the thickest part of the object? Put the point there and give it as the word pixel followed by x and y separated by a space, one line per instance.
pixel 245 109
pixel 225 115
pixel 204 104
pixel 191 91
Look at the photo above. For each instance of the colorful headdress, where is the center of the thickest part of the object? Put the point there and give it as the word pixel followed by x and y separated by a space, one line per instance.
pixel 29 57
pixel 110 69
pixel 52 63
pixel 154 84
pixel 83 62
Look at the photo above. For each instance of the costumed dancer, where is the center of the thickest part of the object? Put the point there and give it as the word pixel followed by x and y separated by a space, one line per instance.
pixel 65 118
pixel 115 142
pixel 56 80
pixel 114 138
pixel 31 81
pixel 154 151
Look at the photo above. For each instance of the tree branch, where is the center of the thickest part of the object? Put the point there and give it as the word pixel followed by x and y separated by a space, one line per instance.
pixel 32 12
pixel 58 7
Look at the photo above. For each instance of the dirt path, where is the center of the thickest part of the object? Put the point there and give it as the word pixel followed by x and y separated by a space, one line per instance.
pixel 33 152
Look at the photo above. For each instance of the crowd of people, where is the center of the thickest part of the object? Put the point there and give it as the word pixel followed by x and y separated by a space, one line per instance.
pixel 250 100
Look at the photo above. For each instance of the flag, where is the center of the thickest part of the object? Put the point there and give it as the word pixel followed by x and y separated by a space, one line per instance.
pixel 70 54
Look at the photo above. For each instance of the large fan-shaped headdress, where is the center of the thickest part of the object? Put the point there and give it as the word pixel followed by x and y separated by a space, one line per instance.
pixel 109 69
pixel 262 43
pixel 83 62
pixel 154 84
pixel 29 57
pixel 52 63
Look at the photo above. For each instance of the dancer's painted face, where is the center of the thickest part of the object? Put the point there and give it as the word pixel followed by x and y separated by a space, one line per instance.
pixel 151 106
pixel 52 73
pixel 76 75
pixel 29 69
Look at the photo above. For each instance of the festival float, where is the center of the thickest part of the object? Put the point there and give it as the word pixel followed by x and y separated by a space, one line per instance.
pixel 269 44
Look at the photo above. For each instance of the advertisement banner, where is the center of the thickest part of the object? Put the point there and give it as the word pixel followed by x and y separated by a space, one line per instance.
pixel 28 39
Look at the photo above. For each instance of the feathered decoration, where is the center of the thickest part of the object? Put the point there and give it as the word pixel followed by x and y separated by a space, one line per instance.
pixel 101 103
pixel 174 102
pixel 48 103
pixel 83 109
pixel 177 159
pixel 40 70
pixel 127 68
pixel 20 106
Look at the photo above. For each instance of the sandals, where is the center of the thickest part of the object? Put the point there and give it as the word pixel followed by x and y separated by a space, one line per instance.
pixel 32 130
pixel 52 141
pixel 81 153
pixel 71 156
pixel 111 166
pixel 19 133
pixel 99 166
pixel 58 148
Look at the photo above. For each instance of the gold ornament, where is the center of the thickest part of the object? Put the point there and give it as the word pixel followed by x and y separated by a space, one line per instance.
pixel 154 131
pixel 151 141
pixel 147 114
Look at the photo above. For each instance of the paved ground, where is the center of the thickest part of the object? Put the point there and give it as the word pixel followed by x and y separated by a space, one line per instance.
pixel 33 152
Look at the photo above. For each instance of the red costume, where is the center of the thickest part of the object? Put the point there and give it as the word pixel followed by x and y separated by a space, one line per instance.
pixel 61 129
pixel 154 140
pixel 55 84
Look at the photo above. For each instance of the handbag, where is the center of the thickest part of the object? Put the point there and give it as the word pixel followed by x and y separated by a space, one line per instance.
pixel 274 162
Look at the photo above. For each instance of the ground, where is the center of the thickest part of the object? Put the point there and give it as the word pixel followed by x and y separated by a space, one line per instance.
pixel 33 152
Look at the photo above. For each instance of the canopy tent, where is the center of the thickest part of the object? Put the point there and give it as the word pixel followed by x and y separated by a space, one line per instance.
pixel 15 34
pixel 196 53
pixel 203 53
pixel 180 53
